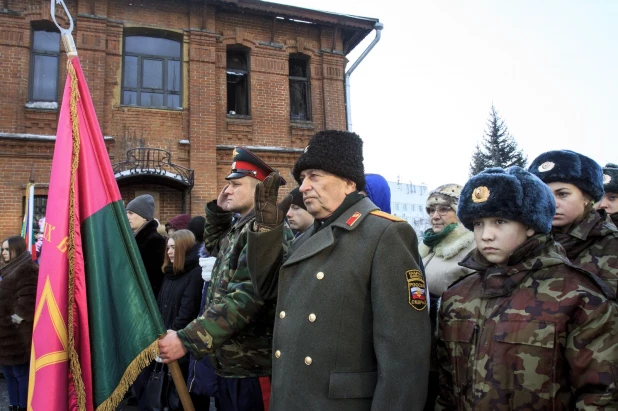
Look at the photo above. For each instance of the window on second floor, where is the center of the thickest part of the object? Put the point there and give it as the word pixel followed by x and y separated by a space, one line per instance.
pixel 44 62
pixel 300 99
pixel 237 71
pixel 152 72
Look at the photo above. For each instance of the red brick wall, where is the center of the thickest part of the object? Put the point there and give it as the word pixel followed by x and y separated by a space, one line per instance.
pixel 98 35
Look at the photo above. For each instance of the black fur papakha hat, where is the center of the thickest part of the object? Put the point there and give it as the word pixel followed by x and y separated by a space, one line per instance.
pixel 337 152
pixel 567 166
pixel 512 194
pixel 610 178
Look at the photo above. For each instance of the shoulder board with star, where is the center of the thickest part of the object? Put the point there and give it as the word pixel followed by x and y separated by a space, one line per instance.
pixel 388 216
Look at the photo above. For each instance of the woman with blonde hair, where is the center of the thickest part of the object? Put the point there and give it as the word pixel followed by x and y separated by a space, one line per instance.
pixel 17 301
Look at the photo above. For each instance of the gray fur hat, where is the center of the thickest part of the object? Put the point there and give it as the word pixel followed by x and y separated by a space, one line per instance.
pixel 567 166
pixel 513 194
pixel 610 178
pixel 337 152
pixel 143 205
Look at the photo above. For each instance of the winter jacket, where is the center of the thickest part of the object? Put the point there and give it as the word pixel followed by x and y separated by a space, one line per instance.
pixel 441 261
pixel 179 297
pixel 592 245
pixel 349 334
pixel 17 296
pixel 151 246
pixel 236 327
pixel 537 334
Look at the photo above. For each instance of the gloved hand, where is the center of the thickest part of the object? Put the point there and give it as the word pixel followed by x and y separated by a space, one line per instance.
pixel 269 214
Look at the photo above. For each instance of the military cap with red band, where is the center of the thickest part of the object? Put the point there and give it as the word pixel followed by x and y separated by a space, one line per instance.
pixel 245 163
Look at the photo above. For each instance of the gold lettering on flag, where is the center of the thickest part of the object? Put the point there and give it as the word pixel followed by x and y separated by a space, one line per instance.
pixel 47 231
pixel 64 244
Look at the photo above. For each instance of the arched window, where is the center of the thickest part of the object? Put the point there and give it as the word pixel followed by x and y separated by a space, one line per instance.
pixel 152 72
pixel 44 61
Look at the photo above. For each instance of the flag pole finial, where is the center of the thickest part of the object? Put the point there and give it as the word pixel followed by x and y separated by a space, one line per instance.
pixel 67 38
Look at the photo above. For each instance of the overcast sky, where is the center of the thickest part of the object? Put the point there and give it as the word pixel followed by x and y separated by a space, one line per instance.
pixel 421 98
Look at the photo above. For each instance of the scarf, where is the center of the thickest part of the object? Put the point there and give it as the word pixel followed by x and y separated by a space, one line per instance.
pixel 431 239
pixel 14 264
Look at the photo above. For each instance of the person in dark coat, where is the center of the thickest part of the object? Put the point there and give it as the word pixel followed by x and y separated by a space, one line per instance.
pixel 180 293
pixel 17 303
pixel 151 244
pixel 609 202
pixel 352 331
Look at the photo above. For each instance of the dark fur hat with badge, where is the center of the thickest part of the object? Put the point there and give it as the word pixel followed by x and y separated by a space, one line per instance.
pixel 512 194
pixel 566 166
pixel 610 178
pixel 337 152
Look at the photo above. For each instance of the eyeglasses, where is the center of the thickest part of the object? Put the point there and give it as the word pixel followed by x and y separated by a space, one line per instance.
pixel 441 210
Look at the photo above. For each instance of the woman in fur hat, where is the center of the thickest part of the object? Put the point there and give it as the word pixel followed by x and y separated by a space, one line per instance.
pixel 609 202
pixel 17 301
pixel 589 236
pixel 444 245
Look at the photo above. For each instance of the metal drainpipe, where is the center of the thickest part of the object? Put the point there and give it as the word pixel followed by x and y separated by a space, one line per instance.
pixel 348 104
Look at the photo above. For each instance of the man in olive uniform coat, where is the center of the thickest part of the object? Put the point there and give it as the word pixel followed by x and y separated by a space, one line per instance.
pixel 351 329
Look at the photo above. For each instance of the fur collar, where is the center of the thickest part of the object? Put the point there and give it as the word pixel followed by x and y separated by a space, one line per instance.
pixel 459 239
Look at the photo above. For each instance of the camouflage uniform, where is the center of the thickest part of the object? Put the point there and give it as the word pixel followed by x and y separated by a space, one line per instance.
pixel 593 245
pixel 538 334
pixel 236 327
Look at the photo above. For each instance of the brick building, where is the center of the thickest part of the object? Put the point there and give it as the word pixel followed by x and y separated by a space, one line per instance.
pixel 176 84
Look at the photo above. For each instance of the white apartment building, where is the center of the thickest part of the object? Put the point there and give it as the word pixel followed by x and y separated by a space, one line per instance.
pixel 408 202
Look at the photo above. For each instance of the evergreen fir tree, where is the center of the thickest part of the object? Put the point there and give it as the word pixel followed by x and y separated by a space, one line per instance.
pixel 498 148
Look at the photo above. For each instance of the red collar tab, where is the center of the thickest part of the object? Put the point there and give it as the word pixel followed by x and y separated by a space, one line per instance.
pixel 353 219
pixel 250 169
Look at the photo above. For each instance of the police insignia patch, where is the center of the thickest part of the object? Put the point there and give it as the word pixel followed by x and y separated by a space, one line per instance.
pixel 416 290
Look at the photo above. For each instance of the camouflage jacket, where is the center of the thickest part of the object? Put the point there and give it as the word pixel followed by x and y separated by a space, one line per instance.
pixel 236 327
pixel 593 245
pixel 538 334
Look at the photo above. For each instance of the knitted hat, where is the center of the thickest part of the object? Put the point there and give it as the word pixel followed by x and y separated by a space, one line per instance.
pixel 179 222
pixel 446 195
pixel 513 194
pixel 336 152
pixel 196 226
pixel 297 198
pixel 567 166
pixel 143 206
pixel 610 178
pixel 378 191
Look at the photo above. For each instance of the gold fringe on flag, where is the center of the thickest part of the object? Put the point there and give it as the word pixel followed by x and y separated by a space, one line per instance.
pixel 130 375
pixel 76 369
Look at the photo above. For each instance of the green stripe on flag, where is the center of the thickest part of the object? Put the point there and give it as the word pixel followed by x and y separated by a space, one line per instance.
pixel 124 319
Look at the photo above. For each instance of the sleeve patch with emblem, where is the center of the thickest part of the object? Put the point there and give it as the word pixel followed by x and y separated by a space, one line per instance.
pixel 417 292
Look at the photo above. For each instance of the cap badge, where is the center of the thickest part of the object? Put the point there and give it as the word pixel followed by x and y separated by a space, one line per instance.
pixel 417 291
pixel 480 194
pixel 306 148
pixel 234 154
pixel 606 179
pixel 546 166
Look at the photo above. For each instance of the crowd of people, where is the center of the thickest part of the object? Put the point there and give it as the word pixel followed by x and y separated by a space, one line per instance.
pixel 322 300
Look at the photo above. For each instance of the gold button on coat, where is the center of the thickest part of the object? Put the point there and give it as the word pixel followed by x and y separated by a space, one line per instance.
pixel 320 275
pixel 277 353
pixel 308 360
pixel 282 314
pixel 312 317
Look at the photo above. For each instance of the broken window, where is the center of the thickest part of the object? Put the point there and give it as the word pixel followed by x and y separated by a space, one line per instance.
pixel 237 70
pixel 299 88
pixel 44 62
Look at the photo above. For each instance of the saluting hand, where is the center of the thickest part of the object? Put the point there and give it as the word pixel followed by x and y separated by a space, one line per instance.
pixel 267 213
pixel 222 199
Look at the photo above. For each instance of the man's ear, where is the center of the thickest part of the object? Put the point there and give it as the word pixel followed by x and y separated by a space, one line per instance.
pixel 530 232
pixel 350 186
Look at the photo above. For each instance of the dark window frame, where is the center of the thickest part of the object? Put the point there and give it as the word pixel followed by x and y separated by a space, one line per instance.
pixel 161 34
pixel 246 72
pixel 298 57
pixel 42 25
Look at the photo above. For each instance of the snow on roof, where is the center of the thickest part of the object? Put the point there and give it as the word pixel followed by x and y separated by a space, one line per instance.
pixel 153 171
pixel 36 137
pixel 264 148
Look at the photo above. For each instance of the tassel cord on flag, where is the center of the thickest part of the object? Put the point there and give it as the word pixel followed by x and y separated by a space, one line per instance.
pixel 75 366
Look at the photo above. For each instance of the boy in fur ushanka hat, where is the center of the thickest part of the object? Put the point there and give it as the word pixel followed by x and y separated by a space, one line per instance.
pixel 526 327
